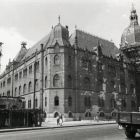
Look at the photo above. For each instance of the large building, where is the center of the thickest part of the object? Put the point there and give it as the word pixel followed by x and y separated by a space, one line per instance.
pixel 74 74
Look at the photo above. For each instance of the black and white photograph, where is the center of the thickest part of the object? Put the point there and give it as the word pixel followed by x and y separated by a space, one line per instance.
pixel 69 70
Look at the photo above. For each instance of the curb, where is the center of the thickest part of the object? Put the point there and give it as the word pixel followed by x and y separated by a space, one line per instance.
pixel 38 128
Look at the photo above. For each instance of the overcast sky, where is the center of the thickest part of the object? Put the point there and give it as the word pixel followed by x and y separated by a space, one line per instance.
pixel 30 20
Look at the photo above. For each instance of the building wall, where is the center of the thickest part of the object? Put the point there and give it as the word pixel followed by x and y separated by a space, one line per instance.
pixel 82 74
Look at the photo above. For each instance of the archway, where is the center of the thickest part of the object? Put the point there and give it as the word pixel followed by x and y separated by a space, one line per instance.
pixel 56 114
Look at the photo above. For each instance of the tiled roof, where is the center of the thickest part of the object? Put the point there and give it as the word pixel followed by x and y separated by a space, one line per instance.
pixel 50 40
pixel 88 41
pixel 20 54
pixel 37 46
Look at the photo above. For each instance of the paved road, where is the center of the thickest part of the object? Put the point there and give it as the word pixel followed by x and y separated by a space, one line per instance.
pixel 99 132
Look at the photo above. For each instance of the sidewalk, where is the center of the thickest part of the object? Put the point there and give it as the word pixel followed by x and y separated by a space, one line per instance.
pixel 52 125
pixel 77 123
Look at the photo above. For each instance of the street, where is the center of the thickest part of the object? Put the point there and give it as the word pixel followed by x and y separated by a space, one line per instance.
pixel 97 132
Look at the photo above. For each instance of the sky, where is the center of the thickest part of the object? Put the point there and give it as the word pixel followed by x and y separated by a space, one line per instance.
pixel 30 20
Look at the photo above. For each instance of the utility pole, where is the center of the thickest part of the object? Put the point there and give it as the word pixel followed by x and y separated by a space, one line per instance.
pixel 34 80
pixel 42 78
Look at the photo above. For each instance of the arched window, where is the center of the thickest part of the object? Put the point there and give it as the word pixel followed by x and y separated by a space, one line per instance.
pixel 30 69
pixel 29 103
pixel 86 83
pixel 131 89
pixel 112 85
pixel 46 61
pixel 123 103
pixel 101 102
pixel 69 101
pixel 69 81
pixel 56 114
pixel 56 101
pixel 87 101
pixel 36 84
pixel 45 101
pixel 15 92
pixel 3 83
pixel 30 86
pixel 70 115
pixel 113 103
pixel 56 60
pixel 19 90
pixel 24 88
pixel 69 61
pixel 56 80
pixel 36 102
pixel 36 66
pixel 25 72
pixel 46 82
pixel 16 77
pixel 8 93
pixel 9 80
pixel 100 84
pixel 88 114
pixel 133 105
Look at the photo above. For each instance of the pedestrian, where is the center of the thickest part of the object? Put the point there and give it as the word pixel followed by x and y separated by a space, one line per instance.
pixel 61 120
pixel 58 120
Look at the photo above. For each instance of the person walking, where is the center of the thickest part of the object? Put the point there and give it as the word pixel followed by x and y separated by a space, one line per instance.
pixel 61 120
pixel 58 120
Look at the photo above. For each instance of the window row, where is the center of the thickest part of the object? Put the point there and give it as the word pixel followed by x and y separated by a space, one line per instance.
pixel 30 87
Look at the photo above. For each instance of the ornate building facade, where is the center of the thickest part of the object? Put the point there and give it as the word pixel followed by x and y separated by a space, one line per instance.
pixel 73 74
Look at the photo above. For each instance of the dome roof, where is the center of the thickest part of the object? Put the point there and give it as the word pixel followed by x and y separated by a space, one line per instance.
pixel 59 34
pixel 131 35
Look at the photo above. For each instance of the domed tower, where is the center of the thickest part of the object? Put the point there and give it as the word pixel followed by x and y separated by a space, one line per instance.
pixel 130 40
pixel 131 35
pixel 130 48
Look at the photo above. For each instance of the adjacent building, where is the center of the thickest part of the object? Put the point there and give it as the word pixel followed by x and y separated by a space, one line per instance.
pixel 74 74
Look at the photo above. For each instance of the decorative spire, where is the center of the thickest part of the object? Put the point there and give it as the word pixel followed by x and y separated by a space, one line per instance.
pixel 133 16
pixel 133 8
pixel 59 19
